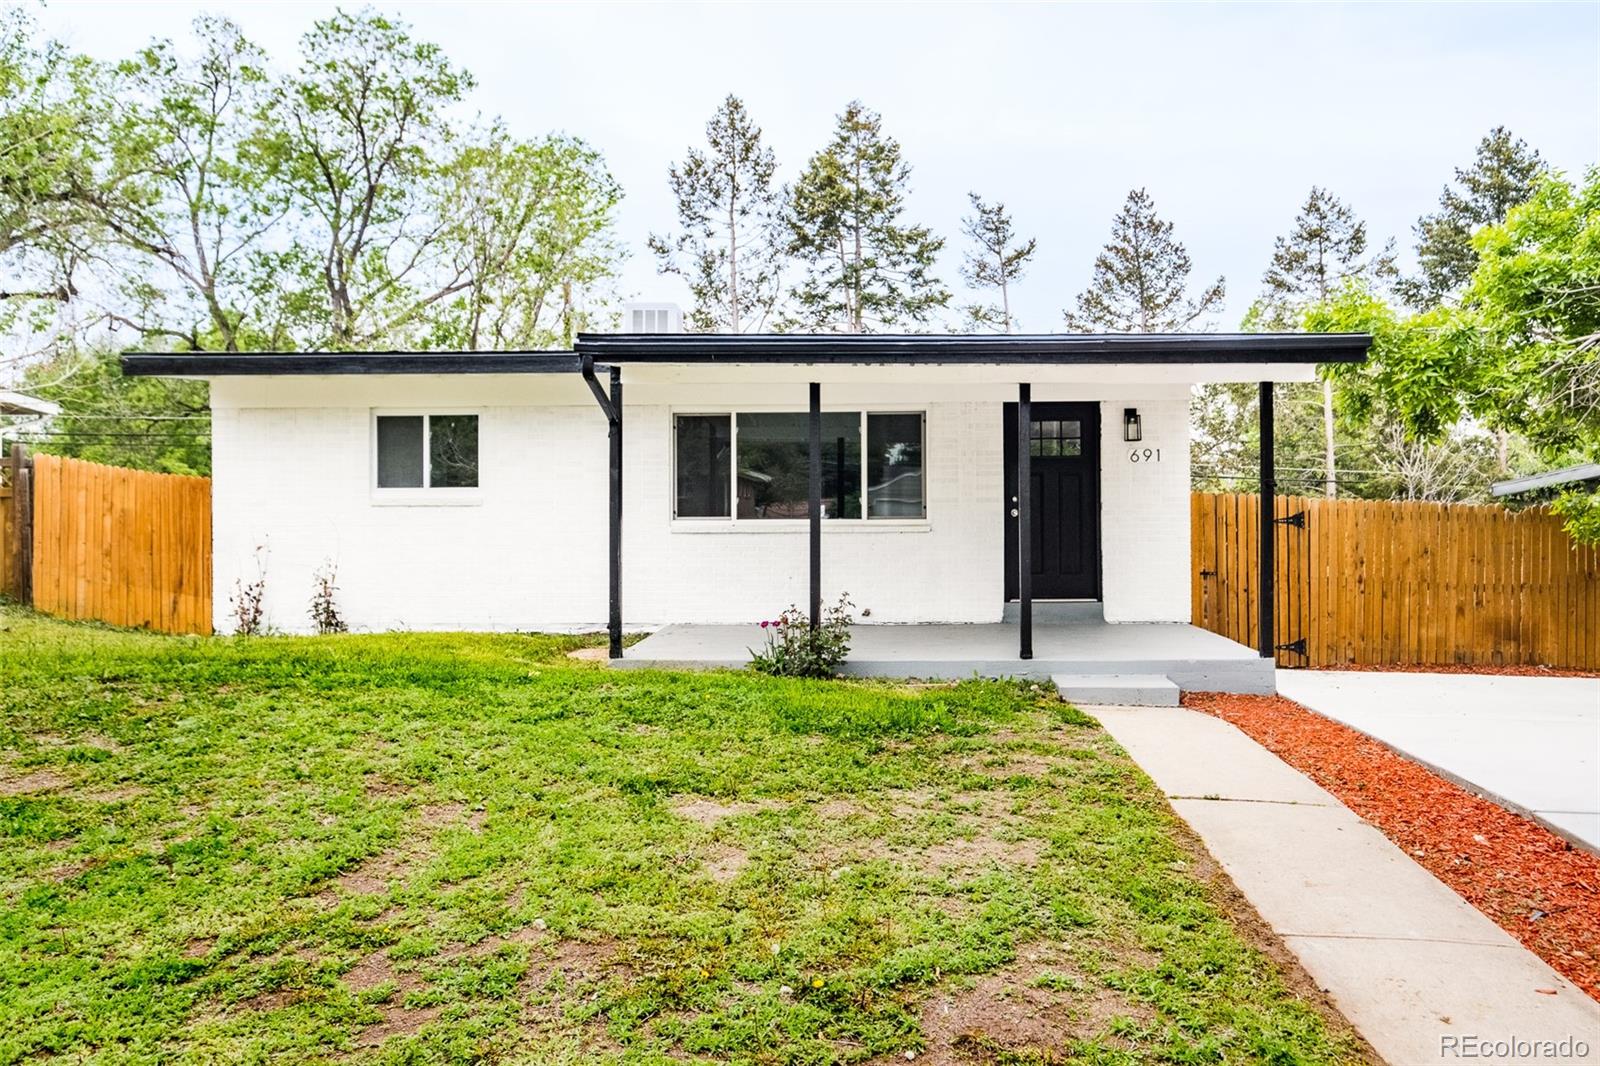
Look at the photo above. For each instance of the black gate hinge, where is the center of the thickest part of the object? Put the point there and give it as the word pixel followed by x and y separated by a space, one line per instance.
pixel 1297 646
pixel 1297 520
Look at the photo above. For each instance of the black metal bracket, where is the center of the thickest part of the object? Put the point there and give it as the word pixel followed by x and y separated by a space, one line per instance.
pixel 1297 646
pixel 1297 520
pixel 587 370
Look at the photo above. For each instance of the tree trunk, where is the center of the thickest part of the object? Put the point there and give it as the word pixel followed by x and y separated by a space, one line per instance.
pixel 733 266
pixel 1005 297
pixel 1330 486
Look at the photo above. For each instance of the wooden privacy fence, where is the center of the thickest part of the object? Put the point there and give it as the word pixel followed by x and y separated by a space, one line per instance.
pixel 122 546
pixel 1397 582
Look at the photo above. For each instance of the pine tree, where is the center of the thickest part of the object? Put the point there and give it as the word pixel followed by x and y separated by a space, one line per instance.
pixel 728 246
pixel 1502 175
pixel 865 268
pixel 1326 248
pixel 1141 279
pixel 996 259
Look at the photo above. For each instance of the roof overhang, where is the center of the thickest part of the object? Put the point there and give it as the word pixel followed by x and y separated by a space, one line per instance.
pixel 16 403
pixel 1052 349
pixel 1034 349
pixel 1549 479
pixel 233 364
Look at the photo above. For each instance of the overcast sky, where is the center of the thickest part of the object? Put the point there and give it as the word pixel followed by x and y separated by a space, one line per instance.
pixel 1227 114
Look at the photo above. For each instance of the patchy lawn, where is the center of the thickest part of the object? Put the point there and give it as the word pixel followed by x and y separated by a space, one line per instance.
pixel 428 848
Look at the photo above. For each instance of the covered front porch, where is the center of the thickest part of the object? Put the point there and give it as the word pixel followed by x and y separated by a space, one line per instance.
pixel 1190 658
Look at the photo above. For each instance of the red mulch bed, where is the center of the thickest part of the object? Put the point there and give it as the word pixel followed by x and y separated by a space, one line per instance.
pixel 1508 670
pixel 1532 883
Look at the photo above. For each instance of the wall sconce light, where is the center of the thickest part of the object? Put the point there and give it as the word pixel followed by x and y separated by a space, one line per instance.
pixel 1132 426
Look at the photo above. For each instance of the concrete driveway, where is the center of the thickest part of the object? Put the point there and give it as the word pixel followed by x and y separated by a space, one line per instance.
pixel 1532 743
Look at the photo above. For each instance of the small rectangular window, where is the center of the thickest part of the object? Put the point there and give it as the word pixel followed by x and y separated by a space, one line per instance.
pixel 400 451
pixel 1051 439
pixel 894 466
pixel 436 451
pixel 704 448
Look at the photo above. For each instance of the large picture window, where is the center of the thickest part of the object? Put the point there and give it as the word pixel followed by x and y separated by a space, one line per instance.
pixel 754 466
pixel 427 451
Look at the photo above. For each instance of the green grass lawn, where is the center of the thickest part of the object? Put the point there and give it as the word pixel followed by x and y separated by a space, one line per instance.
pixel 427 848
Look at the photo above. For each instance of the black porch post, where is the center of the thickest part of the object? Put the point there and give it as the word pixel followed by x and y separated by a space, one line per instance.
pixel 614 626
pixel 1024 522
pixel 814 504
pixel 1269 489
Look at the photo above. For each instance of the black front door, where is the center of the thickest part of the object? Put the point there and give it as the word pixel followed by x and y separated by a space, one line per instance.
pixel 1064 456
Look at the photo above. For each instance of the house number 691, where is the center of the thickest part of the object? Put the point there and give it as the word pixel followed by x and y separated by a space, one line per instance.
pixel 1145 455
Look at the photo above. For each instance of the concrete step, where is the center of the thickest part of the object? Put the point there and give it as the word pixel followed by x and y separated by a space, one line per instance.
pixel 1125 690
pixel 1052 612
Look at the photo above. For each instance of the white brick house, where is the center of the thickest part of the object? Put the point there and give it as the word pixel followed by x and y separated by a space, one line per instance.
pixel 472 490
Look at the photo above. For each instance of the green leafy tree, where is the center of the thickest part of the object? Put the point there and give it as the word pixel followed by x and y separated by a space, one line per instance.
pixel 866 269
pixel 362 122
pixel 995 259
pixel 1503 174
pixel 728 246
pixel 1325 249
pixel 1533 306
pixel 55 177
pixel 1141 279
pixel 160 424
pixel 529 226
pixel 195 130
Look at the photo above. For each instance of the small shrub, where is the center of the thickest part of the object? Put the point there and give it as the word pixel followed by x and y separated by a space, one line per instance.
pixel 794 649
pixel 249 600
pixel 324 608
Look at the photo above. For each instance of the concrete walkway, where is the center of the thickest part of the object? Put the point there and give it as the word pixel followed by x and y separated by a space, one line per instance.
pixel 1411 964
pixel 1530 743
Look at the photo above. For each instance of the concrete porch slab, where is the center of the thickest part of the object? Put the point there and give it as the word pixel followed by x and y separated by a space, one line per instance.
pixel 1193 659
pixel 1409 962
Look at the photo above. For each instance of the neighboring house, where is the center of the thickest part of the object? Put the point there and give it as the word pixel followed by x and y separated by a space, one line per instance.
pixel 29 411
pixel 471 490
pixel 1548 481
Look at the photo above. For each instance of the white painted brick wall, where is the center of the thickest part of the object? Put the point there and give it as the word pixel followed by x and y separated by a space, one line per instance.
pixel 1145 509
pixel 293 470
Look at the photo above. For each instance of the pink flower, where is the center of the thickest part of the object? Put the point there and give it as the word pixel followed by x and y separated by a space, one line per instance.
pixel 763 625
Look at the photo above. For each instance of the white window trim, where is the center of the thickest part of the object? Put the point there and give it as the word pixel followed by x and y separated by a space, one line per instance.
pixel 732 523
pixel 423 495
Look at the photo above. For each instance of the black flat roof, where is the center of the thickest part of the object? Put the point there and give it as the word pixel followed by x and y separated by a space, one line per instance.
pixel 1044 349
pixel 232 364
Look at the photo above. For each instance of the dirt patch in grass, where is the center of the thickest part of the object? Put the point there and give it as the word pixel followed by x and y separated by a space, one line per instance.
pixel 1029 1009
pixel 373 875
pixel 68 871
pixel 1532 883
pixel 562 967
pixel 396 1020
pixel 707 811
pixel 32 781
pixel 262 1002
pixel 378 785
pixel 452 815
pixel 726 863
pixel 976 853
pixel 590 655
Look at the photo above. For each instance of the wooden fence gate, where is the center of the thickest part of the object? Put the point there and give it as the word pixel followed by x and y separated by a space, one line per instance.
pixel 1396 582
pixel 127 547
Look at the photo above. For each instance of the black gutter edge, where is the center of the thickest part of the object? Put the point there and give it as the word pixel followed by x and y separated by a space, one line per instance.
pixel 1044 349
pixel 217 364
